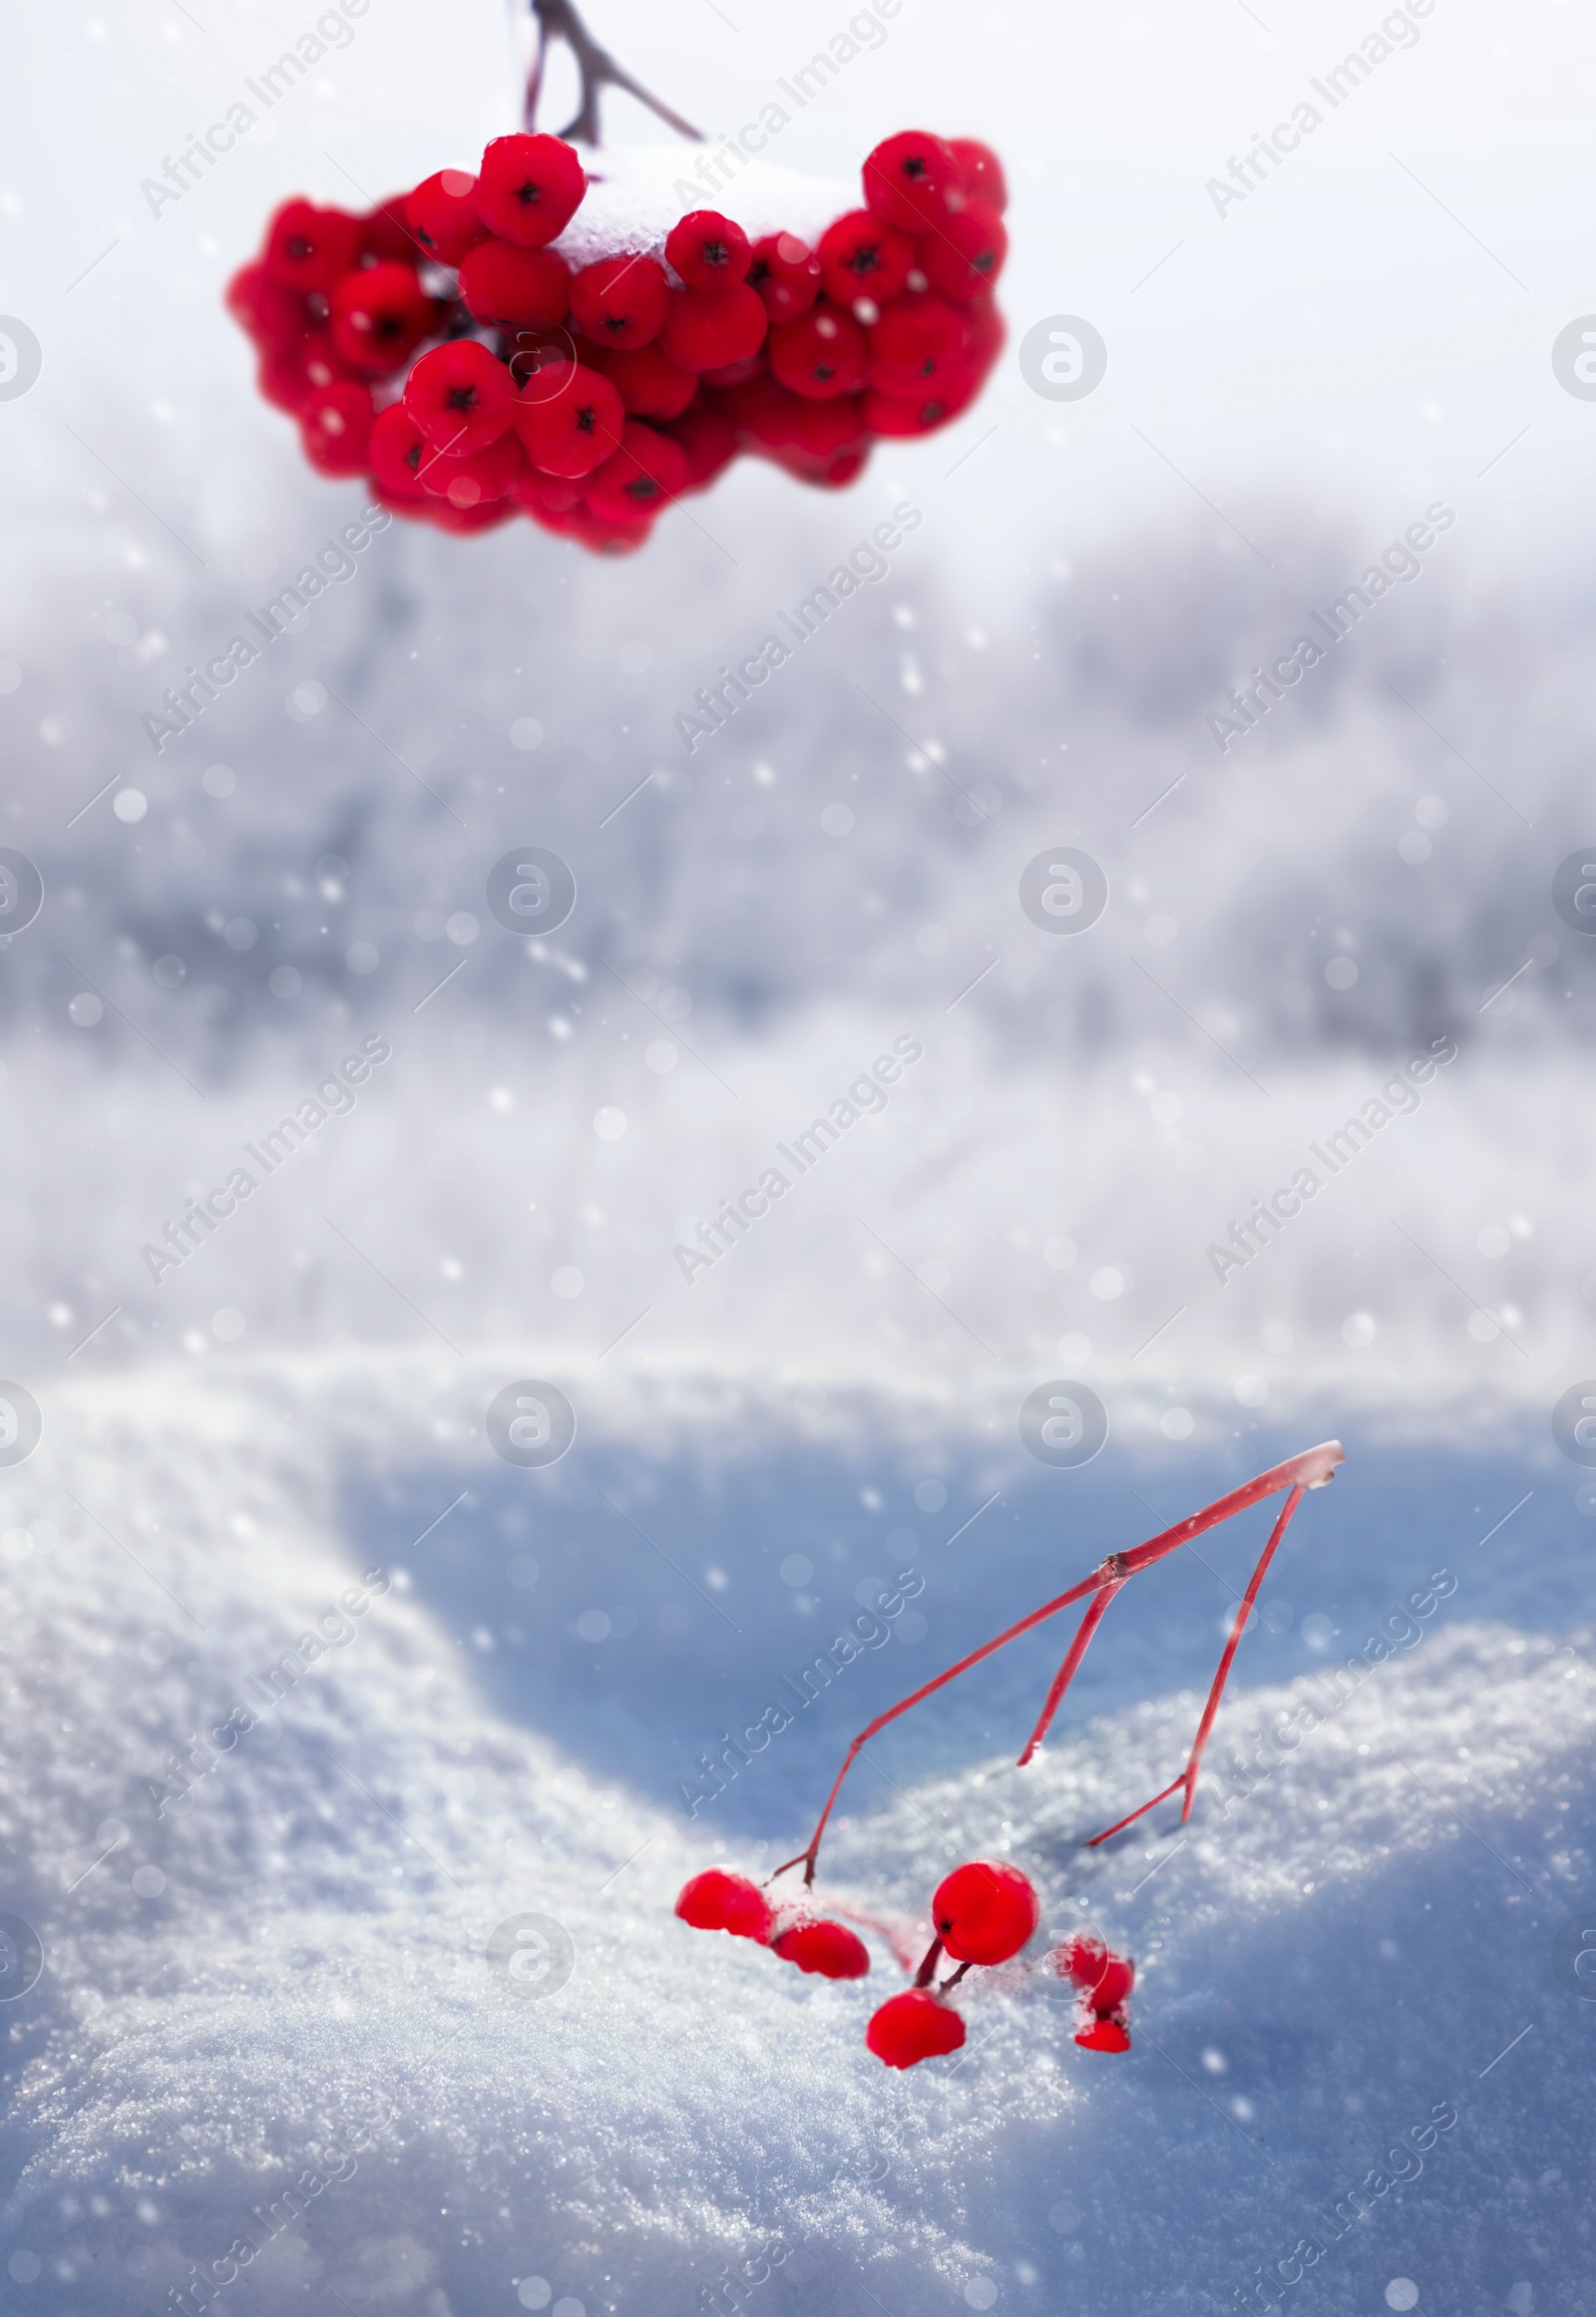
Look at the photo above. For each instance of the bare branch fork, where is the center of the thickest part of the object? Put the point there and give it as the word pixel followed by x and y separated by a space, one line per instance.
pixel 557 20
pixel 1314 1469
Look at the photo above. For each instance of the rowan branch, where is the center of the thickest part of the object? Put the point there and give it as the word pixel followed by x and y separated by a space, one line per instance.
pixel 598 70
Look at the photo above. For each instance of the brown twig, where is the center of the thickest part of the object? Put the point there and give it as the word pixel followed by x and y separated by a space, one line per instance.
pixel 557 20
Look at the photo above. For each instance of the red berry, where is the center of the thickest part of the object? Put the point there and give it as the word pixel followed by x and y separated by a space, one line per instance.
pixel 707 250
pixel 477 479
pixel 649 386
pixel 707 443
pixel 1113 1984
pixel 822 355
pixel 896 414
pixel 537 353
pixel 913 181
pixel 823 443
pixel 983 1912
pixel 463 522
pixel 385 238
pixel 913 2027
pixel 1080 1959
pixel 336 428
pixel 601 538
pixel 786 274
pixel 963 258
pixel 443 215
pixel 543 496
pixel 460 397
pixel 530 189
pixel 829 1948
pixel 734 373
pixel 569 422
pixel 646 471
pixel 620 301
pixel 272 315
pixel 308 247
pixel 981 172
pixel 381 316
pixel 984 334
pixel 861 257
pixel 706 329
pixel 1103 2035
pixel 525 289
pixel 396 451
pixel 290 374
pixel 917 346
pixel 718 1901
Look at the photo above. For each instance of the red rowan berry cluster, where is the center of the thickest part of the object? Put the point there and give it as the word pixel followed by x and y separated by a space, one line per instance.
pixel 982 1914
pixel 445 347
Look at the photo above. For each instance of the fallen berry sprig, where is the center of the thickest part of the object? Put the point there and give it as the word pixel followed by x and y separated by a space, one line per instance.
pixel 983 1912
pixel 476 358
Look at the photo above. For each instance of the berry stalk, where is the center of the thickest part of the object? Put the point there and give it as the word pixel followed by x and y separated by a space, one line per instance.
pixel 597 69
pixel 1313 1468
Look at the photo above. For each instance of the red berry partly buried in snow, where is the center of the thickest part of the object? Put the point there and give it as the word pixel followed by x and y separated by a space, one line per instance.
pixel 1081 1959
pixel 570 420
pixel 443 215
pixel 983 1912
pixel 620 301
pixel 646 471
pixel 829 1948
pixel 981 172
pixel 522 290
pixel 1104 2035
pixel 964 258
pixel 718 1901
pixel 861 257
pixel 381 316
pixel 786 274
pixel 308 248
pixel 913 181
pixel 912 2027
pixel 822 355
pixel 707 250
pixel 707 328
pixel 1113 1984
pixel 336 428
pixel 460 397
pixel 530 189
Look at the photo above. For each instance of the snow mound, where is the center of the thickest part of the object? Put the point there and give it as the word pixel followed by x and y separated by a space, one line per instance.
pixel 283 1983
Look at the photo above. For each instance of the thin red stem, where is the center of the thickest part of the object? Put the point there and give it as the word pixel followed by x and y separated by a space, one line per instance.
pixel 1066 1673
pixel 1312 1469
pixel 1188 1776
pixel 927 1971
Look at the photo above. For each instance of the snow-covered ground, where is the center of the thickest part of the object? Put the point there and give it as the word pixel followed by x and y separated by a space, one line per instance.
pixel 274 1429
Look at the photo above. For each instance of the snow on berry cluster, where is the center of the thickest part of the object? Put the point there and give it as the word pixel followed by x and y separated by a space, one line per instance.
pixel 447 346
pixel 982 1914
